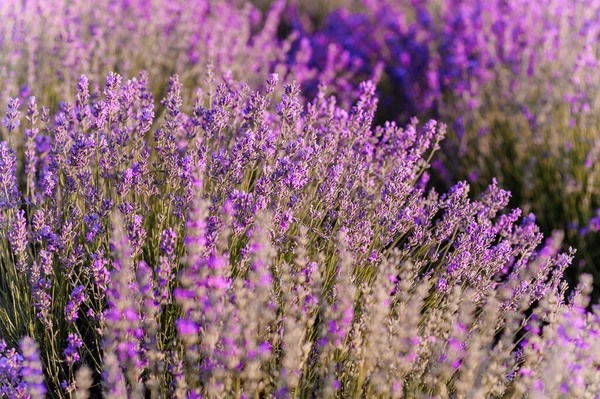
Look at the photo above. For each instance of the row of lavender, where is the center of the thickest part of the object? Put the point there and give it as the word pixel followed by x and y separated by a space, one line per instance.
pixel 238 239
pixel 517 83
pixel 247 248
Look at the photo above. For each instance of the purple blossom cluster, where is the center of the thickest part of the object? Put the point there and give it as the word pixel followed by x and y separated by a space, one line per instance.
pixel 261 244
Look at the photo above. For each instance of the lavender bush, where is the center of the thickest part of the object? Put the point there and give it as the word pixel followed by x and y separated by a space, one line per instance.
pixel 256 246
pixel 516 81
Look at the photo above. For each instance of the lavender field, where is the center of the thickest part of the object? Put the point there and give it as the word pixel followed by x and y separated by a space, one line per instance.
pixel 300 199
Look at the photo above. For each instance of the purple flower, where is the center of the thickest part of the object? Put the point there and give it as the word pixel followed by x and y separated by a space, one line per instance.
pixel 289 108
pixel 166 264
pixel 71 352
pixel 31 370
pixel 137 234
pixel 11 120
pixel 9 195
pixel 17 237
pixel 78 297
pixel 82 98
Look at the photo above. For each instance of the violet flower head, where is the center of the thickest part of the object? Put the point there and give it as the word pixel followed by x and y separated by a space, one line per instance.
pixel 9 191
pixel 99 271
pixel 146 118
pixel 271 83
pixel 111 91
pixel 40 292
pixel 32 110
pixel 31 370
pixel 136 234
pixel 11 120
pixel 17 237
pixel 71 352
pixel 166 263
pixel 81 151
pixel 289 108
pixel 173 100
pixel 78 297
pixel 82 99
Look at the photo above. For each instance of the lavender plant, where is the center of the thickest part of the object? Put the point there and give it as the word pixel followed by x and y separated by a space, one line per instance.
pixel 258 245
pixel 515 80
